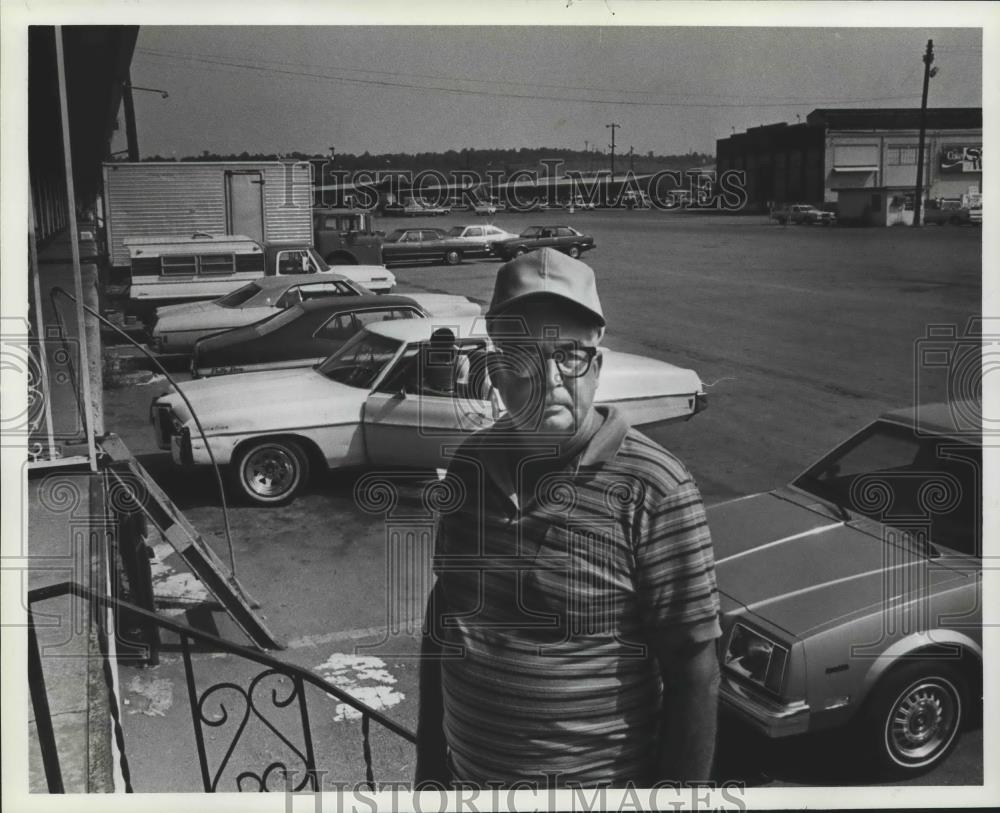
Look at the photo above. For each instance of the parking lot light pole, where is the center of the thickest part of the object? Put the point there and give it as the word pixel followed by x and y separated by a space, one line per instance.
pixel 918 202
pixel 613 127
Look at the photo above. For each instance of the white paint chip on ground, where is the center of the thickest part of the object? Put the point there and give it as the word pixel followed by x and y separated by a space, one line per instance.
pixel 178 586
pixel 155 696
pixel 363 677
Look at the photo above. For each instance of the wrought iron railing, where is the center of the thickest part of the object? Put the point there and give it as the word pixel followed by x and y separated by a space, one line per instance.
pixel 279 690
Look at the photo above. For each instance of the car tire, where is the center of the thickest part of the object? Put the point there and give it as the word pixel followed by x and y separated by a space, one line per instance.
pixel 519 251
pixel 912 719
pixel 453 257
pixel 270 471
pixel 573 251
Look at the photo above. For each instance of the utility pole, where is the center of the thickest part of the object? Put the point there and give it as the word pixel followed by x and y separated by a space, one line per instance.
pixel 613 127
pixel 631 161
pixel 128 106
pixel 918 201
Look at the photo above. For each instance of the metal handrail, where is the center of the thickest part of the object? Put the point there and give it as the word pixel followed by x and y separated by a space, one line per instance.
pixel 297 674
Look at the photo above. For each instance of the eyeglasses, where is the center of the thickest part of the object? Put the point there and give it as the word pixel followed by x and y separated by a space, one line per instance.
pixel 528 359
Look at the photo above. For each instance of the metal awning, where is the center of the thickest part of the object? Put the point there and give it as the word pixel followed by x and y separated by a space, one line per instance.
pixel 863 168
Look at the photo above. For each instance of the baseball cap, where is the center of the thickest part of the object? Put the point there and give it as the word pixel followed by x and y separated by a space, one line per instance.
pixel 549 272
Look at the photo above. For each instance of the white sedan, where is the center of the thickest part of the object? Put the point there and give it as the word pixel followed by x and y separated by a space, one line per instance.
pixel 481 236
pixel 369 404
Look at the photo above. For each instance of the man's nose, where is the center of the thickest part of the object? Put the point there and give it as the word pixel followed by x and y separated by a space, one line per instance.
pixel 553 378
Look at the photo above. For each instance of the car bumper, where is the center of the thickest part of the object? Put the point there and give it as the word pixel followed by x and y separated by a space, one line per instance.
pixel 770 717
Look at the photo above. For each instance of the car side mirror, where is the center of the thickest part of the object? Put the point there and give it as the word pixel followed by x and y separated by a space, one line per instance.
pixel 400 393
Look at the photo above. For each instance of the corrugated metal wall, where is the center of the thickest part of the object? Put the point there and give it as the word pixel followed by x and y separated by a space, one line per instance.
pixel 149 199
pixel 288 200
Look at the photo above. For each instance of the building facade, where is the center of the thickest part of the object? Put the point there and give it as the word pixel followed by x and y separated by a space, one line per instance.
pixel 835 151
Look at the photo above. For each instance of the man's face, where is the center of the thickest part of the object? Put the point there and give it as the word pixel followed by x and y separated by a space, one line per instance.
pixel 534 371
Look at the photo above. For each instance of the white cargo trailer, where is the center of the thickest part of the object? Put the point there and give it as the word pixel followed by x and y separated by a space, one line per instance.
pixel 268 201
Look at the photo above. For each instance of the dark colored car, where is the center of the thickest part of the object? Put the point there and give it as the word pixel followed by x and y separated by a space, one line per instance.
pixel 563 238
pixel 297 337
pixel 423 245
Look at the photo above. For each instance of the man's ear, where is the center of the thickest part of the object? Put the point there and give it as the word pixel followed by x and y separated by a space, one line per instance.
pixel 598 362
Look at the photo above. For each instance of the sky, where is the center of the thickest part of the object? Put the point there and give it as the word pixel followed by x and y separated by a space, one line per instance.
pixel 433 88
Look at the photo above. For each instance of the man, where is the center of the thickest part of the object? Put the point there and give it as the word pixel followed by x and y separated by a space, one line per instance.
pixel 569 637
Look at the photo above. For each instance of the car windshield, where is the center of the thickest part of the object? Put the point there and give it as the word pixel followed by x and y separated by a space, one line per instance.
pixel 239 296
pixel 361 359
pixel 929 486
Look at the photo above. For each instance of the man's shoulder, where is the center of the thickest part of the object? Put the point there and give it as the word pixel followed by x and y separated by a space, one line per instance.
pixel 645 458
pixel 471 451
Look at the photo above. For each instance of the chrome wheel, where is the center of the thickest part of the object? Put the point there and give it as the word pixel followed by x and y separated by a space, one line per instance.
pixel 574 252
pixel 922 722
pixel 271 472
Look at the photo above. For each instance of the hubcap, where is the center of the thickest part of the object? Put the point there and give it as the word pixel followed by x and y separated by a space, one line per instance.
pixel 922 722
pixel 270 471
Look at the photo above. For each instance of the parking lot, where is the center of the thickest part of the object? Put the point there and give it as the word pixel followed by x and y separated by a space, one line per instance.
pixel 801 335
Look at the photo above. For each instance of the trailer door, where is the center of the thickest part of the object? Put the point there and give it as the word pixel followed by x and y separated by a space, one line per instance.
pixel 245 204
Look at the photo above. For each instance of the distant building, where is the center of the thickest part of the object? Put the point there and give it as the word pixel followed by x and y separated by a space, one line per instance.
pixel 835 152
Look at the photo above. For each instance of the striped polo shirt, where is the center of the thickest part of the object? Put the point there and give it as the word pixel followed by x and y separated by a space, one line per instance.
pixel 550 598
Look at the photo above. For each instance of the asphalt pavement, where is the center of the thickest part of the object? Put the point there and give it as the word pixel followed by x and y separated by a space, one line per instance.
pixel 801 335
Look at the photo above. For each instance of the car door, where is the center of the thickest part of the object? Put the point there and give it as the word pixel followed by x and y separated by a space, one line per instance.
pixel 432 246
pixel 406 423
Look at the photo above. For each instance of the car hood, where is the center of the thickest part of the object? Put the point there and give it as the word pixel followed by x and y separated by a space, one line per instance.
pixel 625 375
pixel 801 568
pixel 260 401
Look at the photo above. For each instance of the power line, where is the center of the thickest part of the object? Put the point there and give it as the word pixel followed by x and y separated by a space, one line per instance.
pixel 263 64
pixel 506 95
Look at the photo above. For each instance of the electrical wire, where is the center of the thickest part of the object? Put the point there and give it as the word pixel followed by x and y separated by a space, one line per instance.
pixel 524 96
pixel 215 466
pixel 264 64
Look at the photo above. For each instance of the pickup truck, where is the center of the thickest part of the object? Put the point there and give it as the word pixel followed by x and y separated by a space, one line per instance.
pixel 346 236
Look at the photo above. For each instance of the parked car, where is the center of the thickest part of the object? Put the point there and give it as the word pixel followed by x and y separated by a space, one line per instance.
pixel 852 596
pixel 307 333
pixel 482 237
pixel 367 404
pixel 939 212
pixel 563 238
pixel 176 328
pixel 422 245
pixel 803 213
pixel 485 208
pixel 578 203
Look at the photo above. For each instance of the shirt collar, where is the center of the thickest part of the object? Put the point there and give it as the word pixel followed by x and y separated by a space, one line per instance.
pixel 602 448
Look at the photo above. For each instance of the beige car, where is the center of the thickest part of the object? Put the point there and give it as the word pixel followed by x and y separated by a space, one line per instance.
pixel 852 598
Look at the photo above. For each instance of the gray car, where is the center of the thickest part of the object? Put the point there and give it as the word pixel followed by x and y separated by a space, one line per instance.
pixel 852 597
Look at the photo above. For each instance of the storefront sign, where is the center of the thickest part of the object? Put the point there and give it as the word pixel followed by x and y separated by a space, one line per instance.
pixel 961 159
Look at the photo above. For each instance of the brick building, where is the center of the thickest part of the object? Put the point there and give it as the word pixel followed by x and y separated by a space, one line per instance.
pixel 848 149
